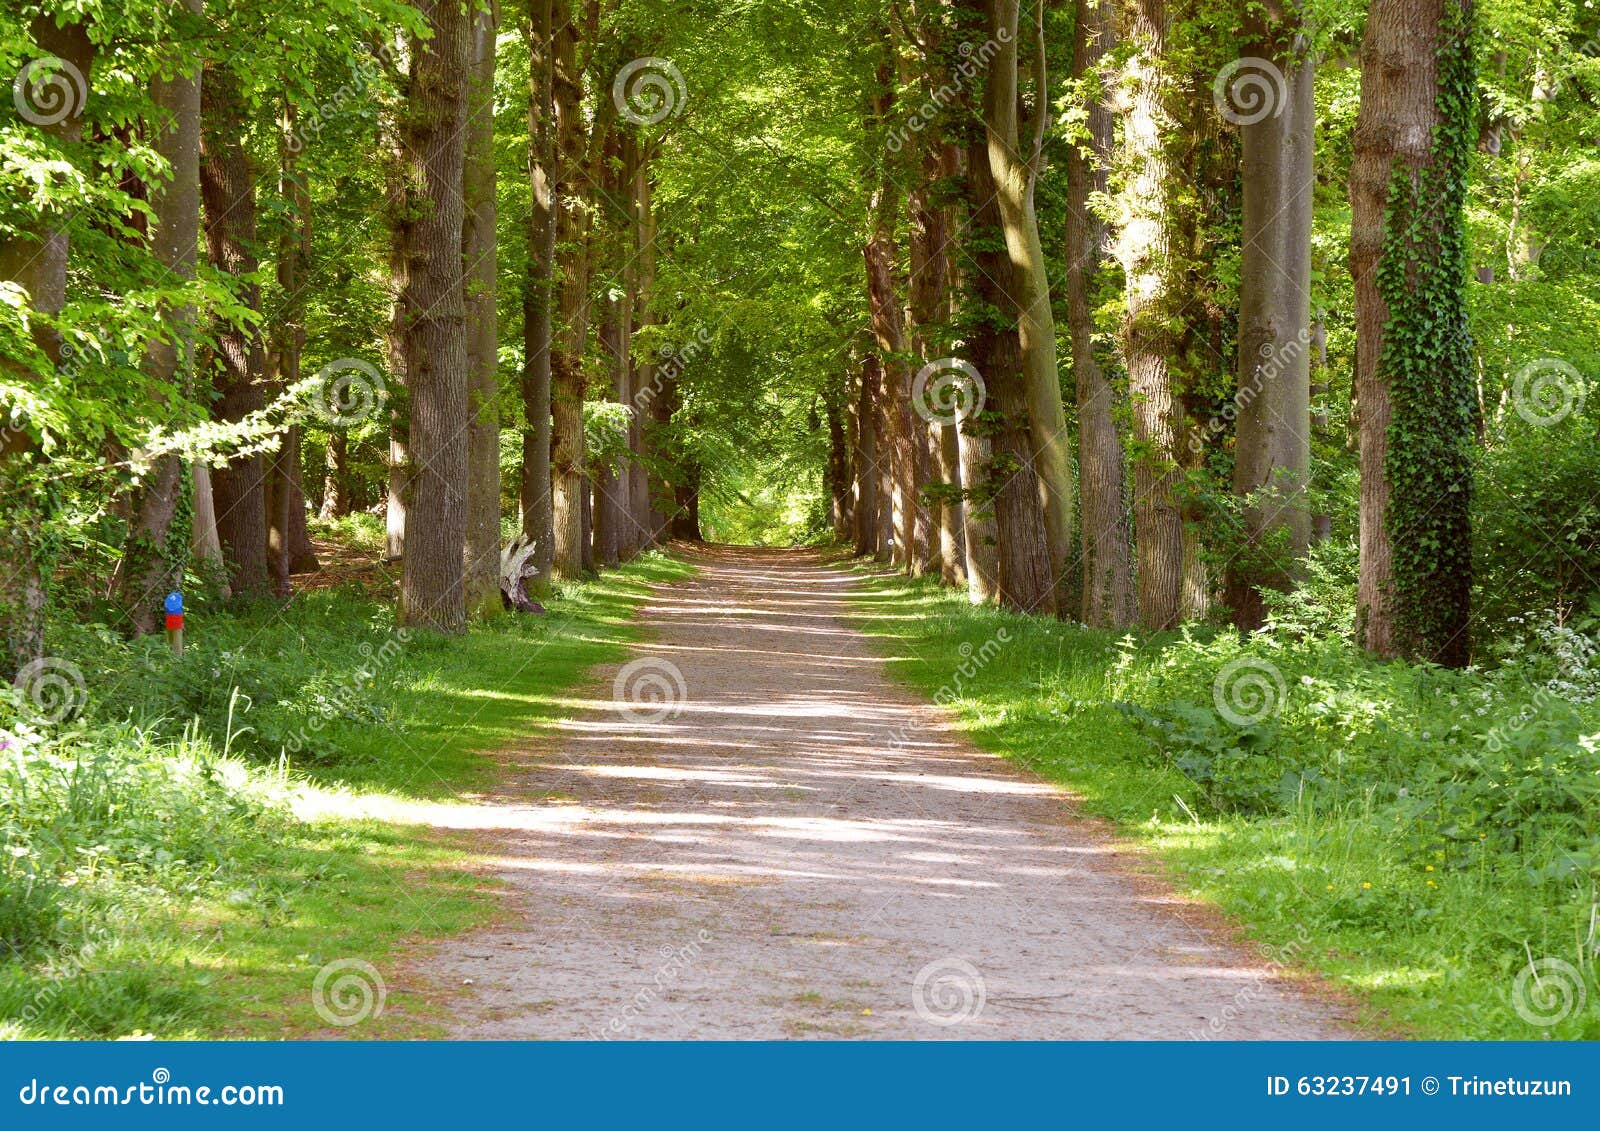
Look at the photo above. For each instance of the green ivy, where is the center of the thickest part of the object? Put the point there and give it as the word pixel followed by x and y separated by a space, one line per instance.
pixel 1428 364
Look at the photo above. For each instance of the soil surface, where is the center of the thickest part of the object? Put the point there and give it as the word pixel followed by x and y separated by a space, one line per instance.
pixel 752 832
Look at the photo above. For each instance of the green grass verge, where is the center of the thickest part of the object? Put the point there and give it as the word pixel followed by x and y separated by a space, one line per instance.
pixel 157 879
pixel 1428 917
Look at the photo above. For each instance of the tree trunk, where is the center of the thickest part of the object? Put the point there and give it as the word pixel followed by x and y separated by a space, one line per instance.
pixel 566 363
pixel 1143 246
pixel 151 564
pixel 538 293
pixel 434 324
pixel 1272 437
pixel 336 481
pixel 204 543
pixel 479 257
pixel 35 260
pixel 1413 381
pixel 227 185
pixel 888 327
pixel 643 384
pixel 608 513
pixel 1008 483
pixel 1106 553
pixel 1014 164
pixel 864 461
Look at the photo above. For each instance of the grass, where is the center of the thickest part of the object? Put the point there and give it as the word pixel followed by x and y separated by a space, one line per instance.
pixel 184 858
pixel 1367 830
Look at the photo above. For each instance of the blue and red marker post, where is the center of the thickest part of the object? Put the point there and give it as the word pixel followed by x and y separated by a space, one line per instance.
pixel 174 608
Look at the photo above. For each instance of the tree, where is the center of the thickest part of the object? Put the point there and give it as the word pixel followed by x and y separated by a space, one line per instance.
pixel 433 326
pixel 1414 373
pixel 538 290
pixel 1015 171
pixel 478 249
pixel 1106 553
pixel 151 564
pixel 1273 432
pixel 228 189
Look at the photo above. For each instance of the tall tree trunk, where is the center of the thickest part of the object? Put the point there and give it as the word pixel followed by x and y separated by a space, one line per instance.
pixel 538 292
pixel 1414 380
pixel 1106 554
pixel 434 327
pixel 838 469
pixel 151 565
pixel 336 482
pixel 864 457
pixel 204 543
pixel 1272 438
pixel 1014 164
pixel 289 548
pixel 1143 246
pixel 566 363
pixel 888 327
pixel 1008 484
pixel 479 257
pixel 644 371
pixel 227 186
pixel 608 513
pixel 36 260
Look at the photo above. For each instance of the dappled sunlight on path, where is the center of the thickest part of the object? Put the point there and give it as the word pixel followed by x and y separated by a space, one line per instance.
pixel 795 847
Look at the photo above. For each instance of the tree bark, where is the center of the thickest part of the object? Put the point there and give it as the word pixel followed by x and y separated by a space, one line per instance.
pixel 864 458
pixel 434 326
pixel 36 260
pixel 1415 399
pixel 1014 165
pixel 151 566
pixel 227 185
pixel 566 363
pixel 1143 245
pixel 1106 553
pixel 1008 484
pixel 538 293
pixel 479 257
pixel 335 482
pixel 1272 437
pixel 643 383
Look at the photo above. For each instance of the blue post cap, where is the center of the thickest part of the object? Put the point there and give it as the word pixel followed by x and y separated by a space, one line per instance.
pixel 174 604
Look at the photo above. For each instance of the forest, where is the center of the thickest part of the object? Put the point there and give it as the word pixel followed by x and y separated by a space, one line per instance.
pixel 1194 396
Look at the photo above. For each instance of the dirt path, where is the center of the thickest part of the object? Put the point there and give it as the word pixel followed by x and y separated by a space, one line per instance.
pixel 802 850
